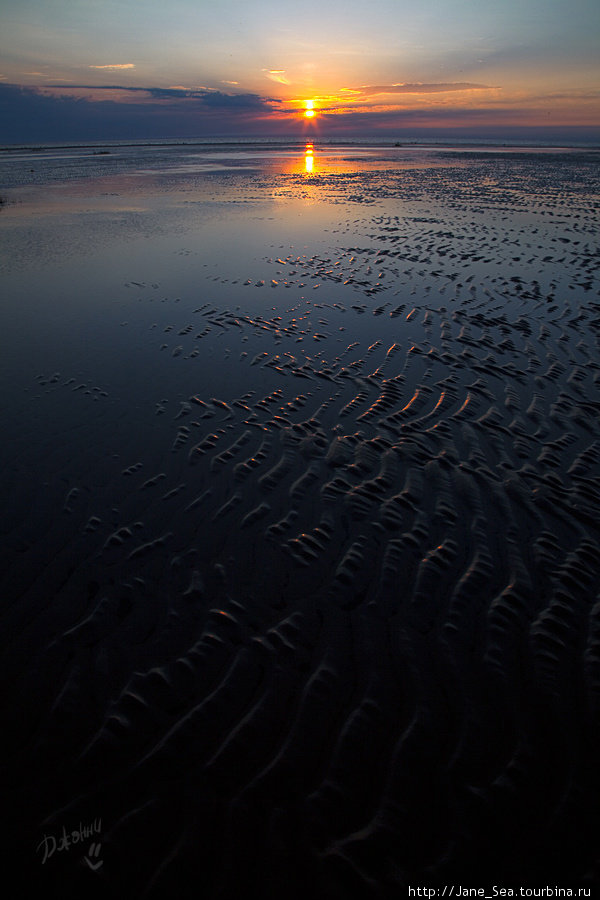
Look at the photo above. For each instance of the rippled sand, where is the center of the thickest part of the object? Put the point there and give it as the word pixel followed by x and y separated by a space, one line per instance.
pixel 300 491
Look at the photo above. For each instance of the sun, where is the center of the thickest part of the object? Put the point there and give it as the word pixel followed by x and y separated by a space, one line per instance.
pixel 309 110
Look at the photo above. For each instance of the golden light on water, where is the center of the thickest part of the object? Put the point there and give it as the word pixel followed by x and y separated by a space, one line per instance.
pixel 309 159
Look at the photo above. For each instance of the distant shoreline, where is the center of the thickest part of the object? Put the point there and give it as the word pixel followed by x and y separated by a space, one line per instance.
pixel 279 143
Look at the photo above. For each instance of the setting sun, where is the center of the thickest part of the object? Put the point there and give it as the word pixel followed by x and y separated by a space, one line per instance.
pixel 309 112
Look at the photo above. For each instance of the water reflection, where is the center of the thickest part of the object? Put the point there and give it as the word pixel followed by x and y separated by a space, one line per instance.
pixel 309 159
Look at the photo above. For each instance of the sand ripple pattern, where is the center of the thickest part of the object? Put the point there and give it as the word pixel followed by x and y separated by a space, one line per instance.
pixel 342 634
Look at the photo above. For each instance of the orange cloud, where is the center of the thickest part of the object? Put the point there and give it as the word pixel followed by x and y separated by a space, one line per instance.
pixel 277 75
pixel 115 66
pixel 418 88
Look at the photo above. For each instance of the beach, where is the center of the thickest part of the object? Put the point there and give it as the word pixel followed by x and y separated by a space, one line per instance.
pixel 300 536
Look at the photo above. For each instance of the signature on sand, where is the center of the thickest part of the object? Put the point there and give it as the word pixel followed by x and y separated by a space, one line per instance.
pixel 51 844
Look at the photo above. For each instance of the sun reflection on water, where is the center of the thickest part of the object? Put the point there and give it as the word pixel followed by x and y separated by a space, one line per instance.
pixel 309 159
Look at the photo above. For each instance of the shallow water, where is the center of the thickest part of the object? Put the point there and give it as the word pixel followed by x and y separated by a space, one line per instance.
pixel 299 505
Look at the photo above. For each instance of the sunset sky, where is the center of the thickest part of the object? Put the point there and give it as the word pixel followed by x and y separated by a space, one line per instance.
pixel 119 69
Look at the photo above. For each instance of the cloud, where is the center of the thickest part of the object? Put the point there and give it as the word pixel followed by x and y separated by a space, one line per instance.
pixel 491 116
pixel 238 101
pixel 417 88
pixel 277 75
pixel 115 66
pixel 208 97
pixel 82 112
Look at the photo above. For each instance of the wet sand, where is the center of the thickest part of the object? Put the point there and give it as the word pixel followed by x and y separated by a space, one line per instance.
pixel 300 491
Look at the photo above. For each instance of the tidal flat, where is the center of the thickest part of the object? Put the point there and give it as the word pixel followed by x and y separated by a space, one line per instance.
pixel 299 508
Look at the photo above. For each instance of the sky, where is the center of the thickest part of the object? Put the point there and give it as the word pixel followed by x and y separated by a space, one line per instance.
pixel 76 70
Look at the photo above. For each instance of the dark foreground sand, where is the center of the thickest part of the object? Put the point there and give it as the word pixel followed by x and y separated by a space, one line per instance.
pixel 300 581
